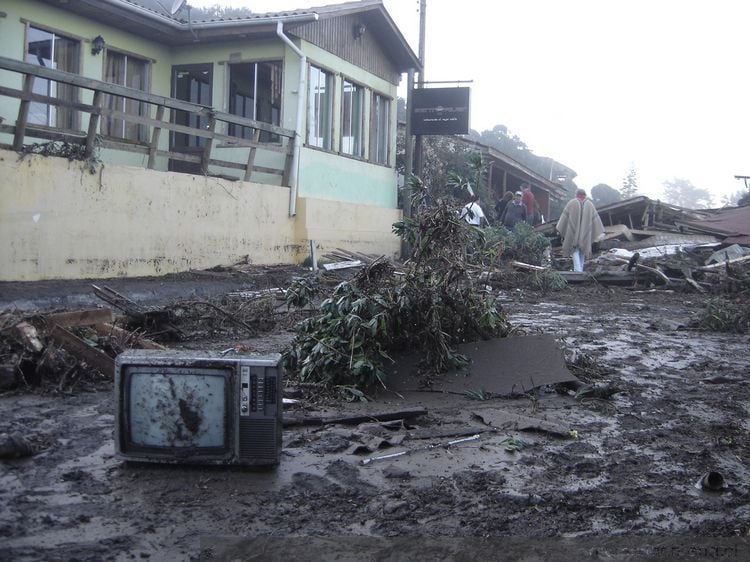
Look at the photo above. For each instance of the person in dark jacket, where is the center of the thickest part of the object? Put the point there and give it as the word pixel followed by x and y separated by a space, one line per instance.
pixel 502 203
pixel 514 212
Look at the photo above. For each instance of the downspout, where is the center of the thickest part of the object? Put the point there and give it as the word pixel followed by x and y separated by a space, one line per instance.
pixel 294 172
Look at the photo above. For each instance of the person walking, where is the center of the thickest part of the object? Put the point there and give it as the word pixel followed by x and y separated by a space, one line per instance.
pixel 579 226
pixel 473 214
pixel 502 203
pixel 529 201
pixel 514 213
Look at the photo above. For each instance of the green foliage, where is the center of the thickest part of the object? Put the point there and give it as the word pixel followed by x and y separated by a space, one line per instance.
pixel 721 315
pixel 549 280
pixel 514 444
pixel 520 244
pixel 432 308
pixel 478 394
pixel 301 292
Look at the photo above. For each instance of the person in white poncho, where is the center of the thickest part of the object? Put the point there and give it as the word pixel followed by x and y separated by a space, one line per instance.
pixel 579 226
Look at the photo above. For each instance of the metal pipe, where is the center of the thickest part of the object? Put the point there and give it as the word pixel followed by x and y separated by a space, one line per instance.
pixel 294 172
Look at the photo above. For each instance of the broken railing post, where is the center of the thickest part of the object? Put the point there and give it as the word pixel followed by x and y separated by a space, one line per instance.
pixel 154 144
pixel 93 124
pixel 23 112
pixel 206 157
pixel 251 156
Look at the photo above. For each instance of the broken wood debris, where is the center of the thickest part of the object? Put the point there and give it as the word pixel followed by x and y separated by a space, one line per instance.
pixel 79 348
pixel 154 320
pixel 354 420
pixel 80 317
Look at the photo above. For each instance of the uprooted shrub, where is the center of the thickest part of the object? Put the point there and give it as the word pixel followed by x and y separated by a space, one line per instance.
pixel 723 315
pixel 432 307
pixel 522 244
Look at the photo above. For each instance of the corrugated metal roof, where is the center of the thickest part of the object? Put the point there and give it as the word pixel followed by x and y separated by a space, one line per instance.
pixel 733 224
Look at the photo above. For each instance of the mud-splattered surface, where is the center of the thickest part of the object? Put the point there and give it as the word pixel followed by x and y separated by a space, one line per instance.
pixel 629 468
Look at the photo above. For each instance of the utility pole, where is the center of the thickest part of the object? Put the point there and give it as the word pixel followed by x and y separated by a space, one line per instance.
pixel 418 160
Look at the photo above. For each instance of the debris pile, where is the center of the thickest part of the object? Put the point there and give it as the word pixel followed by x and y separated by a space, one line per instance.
pixel 652 244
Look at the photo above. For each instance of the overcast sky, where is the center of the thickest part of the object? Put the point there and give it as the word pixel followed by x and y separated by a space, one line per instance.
pixel 597 85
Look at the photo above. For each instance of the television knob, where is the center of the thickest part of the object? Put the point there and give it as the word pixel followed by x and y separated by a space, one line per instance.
pixel 244 408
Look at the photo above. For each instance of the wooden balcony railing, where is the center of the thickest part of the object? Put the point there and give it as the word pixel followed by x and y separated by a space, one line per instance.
pixel 90 139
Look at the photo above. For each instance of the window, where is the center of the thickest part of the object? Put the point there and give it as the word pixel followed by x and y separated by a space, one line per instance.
pixel 352 120
pixel 131 72
pixel 53 51
pixel 320 109
pixel 191 83
pixel 381 128
pixel 255 93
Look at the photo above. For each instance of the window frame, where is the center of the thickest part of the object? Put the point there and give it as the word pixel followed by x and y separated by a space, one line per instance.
pixel 378 154
pixel 248 132
pixel 325 143
pixel 74 121
pixel 141 131
pixel 358 139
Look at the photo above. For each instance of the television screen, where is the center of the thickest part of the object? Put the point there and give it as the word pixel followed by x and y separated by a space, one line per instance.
pixel 169 408
pixel 196 407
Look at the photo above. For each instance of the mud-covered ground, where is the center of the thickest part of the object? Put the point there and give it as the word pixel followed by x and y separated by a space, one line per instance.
pixel 627 469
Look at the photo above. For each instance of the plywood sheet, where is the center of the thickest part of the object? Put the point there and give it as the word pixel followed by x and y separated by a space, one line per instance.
pixel 501 366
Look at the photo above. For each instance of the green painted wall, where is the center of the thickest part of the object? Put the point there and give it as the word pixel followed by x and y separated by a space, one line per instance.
pixel 323 174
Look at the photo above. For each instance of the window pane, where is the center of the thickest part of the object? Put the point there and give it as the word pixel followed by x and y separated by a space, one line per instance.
pixel 131 72
pixel 52 51
pixel 255 93
pixel 352 118
pixel 381 132
pixel 319 109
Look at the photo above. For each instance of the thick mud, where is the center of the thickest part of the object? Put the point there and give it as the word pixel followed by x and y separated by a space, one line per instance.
pixel 628 467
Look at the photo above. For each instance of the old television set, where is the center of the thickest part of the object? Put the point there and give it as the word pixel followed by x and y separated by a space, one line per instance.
pixel 198 408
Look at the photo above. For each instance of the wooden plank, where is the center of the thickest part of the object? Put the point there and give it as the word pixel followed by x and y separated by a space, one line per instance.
pixel 19 94
pixel 65 135
pixel 288 163
pixel 23 114
pixel 342 265
pixel 110 330
pixel 76 346
pixel 80 317
pixel 93 125
pixel 251 157
pixel 91 84
pixel 206 155
pixel 154 144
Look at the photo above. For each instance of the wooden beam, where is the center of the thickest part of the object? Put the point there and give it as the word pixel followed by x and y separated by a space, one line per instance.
pixel 251 157
pixel 93 125
pixel 155 133
pixel 23 114
pixel 80 317
pixel 79 348
pixel 206 156
pixel 110 330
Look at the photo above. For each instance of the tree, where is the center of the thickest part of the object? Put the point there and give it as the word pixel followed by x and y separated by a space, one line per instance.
pixel 602 194
pixel 629 184
pixel 683 193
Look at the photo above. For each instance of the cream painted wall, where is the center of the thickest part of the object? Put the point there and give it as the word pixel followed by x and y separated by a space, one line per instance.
pixel 58 221
pixel 360 228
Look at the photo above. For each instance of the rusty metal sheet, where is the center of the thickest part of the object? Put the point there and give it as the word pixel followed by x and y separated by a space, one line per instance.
pixel 76 346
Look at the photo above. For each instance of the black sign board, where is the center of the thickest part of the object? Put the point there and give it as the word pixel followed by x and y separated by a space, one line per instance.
pixel 440 111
